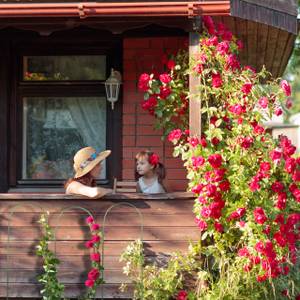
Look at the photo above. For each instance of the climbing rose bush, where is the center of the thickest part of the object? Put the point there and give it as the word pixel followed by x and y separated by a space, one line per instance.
pixel 245 182
pixel 165 95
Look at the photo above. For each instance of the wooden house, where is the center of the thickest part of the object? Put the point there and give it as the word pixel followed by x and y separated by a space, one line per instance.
pixel 54 59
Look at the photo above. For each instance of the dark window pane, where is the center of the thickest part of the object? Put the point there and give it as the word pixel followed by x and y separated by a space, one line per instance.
pixel 54 128
pixel 62 68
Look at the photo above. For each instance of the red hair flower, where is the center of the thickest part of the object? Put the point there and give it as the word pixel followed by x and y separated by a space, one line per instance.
pixel 154 159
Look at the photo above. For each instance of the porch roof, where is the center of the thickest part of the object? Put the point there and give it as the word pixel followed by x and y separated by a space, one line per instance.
pixel 277 13
pixel 268 28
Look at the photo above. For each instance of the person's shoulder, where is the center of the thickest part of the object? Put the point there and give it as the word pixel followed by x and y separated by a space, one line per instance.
pixel 73 187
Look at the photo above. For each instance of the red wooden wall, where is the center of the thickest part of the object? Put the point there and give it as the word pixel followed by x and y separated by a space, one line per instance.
pixel 143 55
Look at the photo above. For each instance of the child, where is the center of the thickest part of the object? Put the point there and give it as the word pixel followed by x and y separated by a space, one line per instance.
pixel 149 173
pixel 87 167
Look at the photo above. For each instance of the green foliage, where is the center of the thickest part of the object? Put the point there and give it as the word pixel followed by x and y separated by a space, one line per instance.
pixel 153 282
pixel 246 184
pixel 52 289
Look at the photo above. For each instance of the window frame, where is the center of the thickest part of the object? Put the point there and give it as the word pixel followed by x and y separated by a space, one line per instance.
pixel 90 88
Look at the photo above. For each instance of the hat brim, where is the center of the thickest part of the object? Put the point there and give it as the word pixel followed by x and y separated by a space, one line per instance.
pixel 101 156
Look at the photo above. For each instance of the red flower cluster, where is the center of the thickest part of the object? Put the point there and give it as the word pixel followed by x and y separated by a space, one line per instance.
pixel 95 256
pixel 144 82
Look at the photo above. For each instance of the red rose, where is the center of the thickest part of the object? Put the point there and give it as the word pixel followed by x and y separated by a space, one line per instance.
pixel 265 166
pixel 244 252
pixel 261 278
pixel 240 44
pixel 95 257
pixel 96 238
pixel 241 211
pixel 89 220
pixel 171 64
pixel 227 35
pixel 208 21
pixel 259 247
pixel 216 80
pixel 215 141
pixel 254 184
pixel 215 160
pixel 174 135
pixel 290 165
pixel 93 274
pixel 198 161
pixel 89 283
pixel 247 142
pixel 275 155
pixel 211 190
pixel 194 141
pixel 237 109
pixel 278 237
pixel 289 103
pixel 223 47
pixel 263 102
pixel 286 87
pixel 224 186
pixel 89 244
pixel 199 68
pixel 203 142
pixel 259 215
pixel 213 41
pixel 165 78
pixel 143 84
pixel 165 92
pixel 219 227
pixel 182 295
pixel 296 175
pixel 277 187
pixel 246 88
pixel 202 225
pixel 232 62
pixel 258 129
pixel 95 226
pixel 278 111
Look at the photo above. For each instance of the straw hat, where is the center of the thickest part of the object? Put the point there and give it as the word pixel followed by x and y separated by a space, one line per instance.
pixel 86 159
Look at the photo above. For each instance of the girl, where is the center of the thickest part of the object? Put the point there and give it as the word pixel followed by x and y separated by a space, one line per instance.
pixel 87 167
pixel 149 173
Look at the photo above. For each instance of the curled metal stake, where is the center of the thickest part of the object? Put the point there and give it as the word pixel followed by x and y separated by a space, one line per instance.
pixel 103 234
pixel 12 211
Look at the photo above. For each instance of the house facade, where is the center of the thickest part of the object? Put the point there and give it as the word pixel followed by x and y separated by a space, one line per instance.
pixel 55 58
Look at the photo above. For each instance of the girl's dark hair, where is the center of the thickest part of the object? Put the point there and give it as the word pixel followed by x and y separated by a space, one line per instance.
pixel 86 179
pixel 159 169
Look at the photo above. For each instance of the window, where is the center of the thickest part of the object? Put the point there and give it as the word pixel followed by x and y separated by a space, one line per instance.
pixel 61 107
pixel 54 128
pixel 64 68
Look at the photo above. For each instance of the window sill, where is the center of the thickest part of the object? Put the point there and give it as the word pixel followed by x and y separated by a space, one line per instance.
pixel 121 196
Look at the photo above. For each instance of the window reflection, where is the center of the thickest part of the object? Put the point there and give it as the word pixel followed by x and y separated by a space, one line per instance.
pixel 63 68
pixel 54 128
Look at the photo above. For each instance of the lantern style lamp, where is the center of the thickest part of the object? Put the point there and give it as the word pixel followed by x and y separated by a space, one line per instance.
pixel 112 87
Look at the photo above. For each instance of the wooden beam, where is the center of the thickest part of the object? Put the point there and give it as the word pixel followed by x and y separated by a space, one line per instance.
pixel 194 101
pixel 4 71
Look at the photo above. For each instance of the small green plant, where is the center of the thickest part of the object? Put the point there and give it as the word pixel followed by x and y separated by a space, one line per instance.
pixel 52 289
pixel 154 282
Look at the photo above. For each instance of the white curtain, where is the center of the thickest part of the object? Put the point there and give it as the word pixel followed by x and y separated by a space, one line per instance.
pixel 89 116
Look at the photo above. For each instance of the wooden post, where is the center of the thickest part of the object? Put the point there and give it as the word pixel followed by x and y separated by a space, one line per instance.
pixel 4 71
pixel 194 101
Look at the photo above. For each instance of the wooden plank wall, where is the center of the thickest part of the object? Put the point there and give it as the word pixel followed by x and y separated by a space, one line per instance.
pixel 263 45
pixel 168 225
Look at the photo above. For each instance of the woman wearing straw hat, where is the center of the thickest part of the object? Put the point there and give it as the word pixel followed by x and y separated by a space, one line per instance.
pixel 87 167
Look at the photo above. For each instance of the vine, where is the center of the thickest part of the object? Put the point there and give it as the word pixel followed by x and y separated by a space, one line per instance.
pixel 52 288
